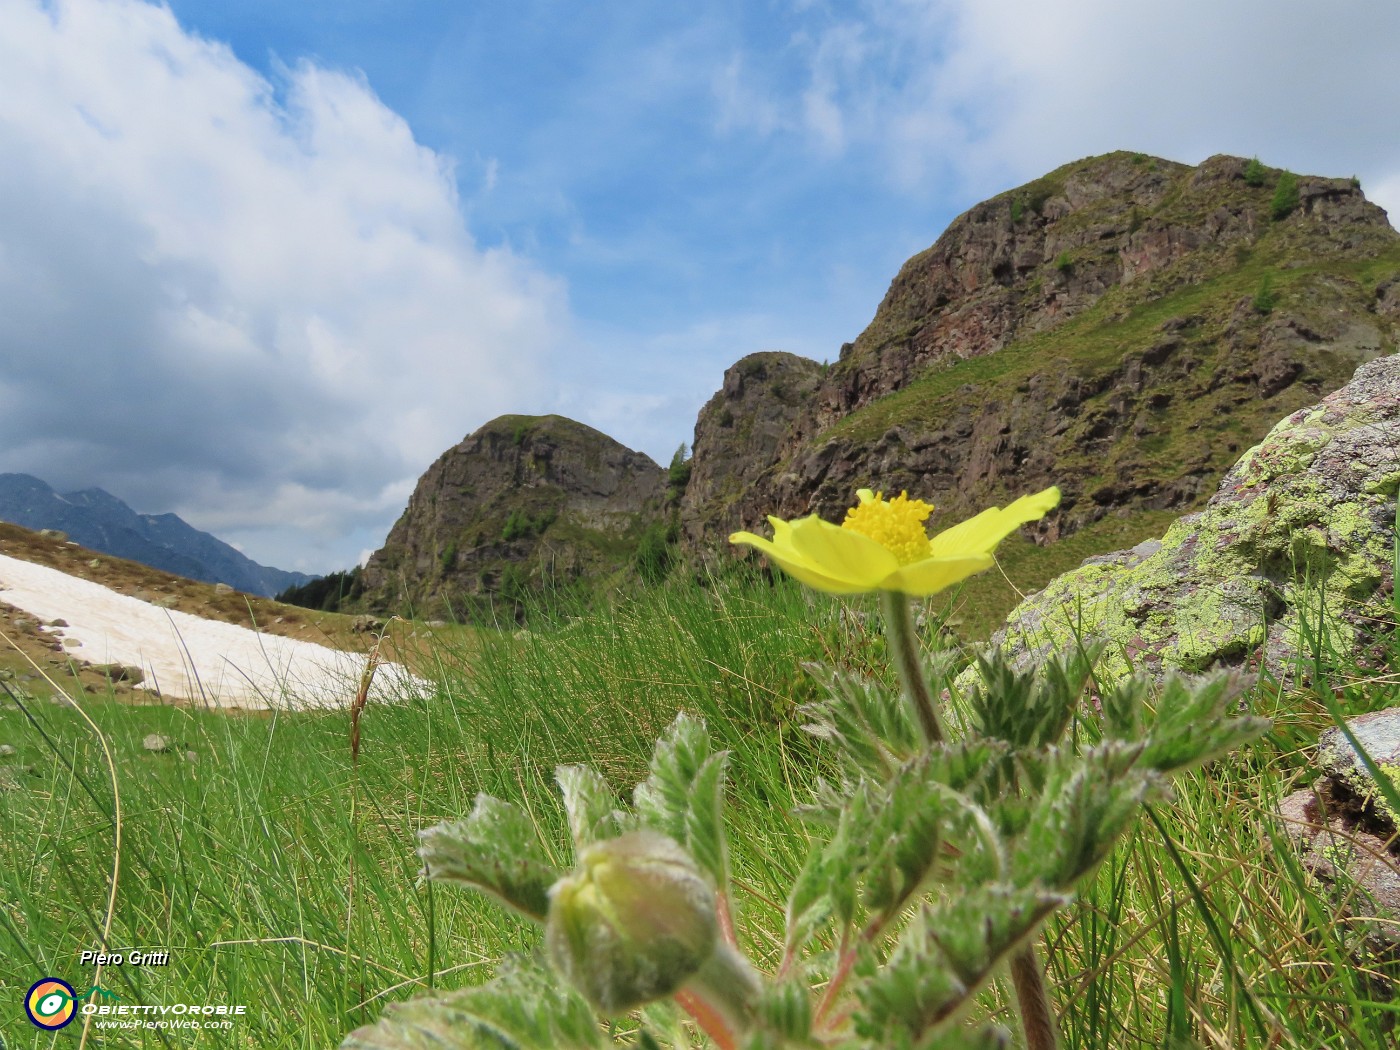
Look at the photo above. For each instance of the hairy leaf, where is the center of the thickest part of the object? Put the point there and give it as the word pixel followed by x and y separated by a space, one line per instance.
pixel 590 805
pixel 1032 708
pixel 1088 801
pixel 976 930
pixel 1195 722
pixel 682 798
pixel 826 886
pixel 525 1008
pixel 873 729
pixel 495 849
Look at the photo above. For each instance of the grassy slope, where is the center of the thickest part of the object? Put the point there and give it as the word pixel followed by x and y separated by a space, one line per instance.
pixel 281 877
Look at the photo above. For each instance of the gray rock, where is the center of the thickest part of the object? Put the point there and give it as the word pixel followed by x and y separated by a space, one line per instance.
pixel 1344 853
pixel 54 534
pixel 1378 733
pixel 6 750
pixel 1303 522
pixel 367 625
pixel 157 742
pixel 121 673
pixel 222 588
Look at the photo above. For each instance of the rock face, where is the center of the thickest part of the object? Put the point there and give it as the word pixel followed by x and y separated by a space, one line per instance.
pixel 737 437
pixel 523 499
pixel 1298 539
pixel 1123 327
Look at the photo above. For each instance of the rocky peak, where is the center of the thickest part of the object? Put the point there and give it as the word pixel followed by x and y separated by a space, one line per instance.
pixel 522 499
pixel 737 437
pixel 1123 327
pixel 1033 257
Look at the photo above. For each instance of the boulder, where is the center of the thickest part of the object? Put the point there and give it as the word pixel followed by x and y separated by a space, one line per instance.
pixel 1347 833
pixel 1299 538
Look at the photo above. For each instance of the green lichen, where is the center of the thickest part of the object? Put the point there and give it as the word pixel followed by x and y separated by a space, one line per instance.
pixel 1289 561
pixel 1365 788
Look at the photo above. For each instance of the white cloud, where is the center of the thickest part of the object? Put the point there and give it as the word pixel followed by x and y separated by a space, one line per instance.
pixel 252 302
pixel 963 95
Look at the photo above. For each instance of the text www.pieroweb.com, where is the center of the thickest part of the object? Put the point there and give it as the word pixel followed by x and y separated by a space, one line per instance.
pixel 179 1017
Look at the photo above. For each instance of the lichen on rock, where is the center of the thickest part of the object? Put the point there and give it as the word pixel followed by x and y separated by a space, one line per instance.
pixel 1298 539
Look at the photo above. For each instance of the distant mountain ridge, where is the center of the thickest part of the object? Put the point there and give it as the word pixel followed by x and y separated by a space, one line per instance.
pixel 98 520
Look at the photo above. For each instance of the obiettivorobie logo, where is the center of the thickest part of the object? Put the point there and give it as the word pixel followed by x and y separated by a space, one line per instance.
pixel 52 1004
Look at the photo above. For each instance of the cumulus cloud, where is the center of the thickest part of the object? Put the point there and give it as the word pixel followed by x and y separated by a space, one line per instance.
pixel 252 301
pixel 963 95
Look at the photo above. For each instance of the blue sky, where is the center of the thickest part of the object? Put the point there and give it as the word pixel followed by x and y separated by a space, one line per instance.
pixel 260 263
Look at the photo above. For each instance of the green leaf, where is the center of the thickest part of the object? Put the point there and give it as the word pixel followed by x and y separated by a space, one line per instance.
pixel 590 805
pixel 825 888
pixel 911 993
pixel 495 849
pixel 1088 801
pixel 1195 722
pixel 1123 707
pixel 782 1016
pixel 872 728
pixel 904 834
pixel 942 959
pixel 981 927
pixel 1032 708
pixel 683 797
pixel 524 1008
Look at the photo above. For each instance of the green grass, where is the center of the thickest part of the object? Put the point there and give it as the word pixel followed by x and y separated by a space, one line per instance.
pixel 280 876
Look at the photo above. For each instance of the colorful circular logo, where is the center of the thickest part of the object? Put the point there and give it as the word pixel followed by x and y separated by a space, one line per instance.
pixel 51 1003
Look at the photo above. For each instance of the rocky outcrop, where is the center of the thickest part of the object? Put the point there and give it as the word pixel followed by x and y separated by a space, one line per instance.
pixel 1296 547
pixel 1123 327
pixel 737 437
pixel 523 499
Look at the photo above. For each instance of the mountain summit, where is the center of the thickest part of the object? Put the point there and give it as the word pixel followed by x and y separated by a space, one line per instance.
pixel 1122 327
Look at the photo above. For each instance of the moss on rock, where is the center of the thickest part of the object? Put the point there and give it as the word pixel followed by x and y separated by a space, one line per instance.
pixel 1299 539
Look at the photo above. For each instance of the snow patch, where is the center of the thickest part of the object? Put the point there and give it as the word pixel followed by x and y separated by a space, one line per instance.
pixel 190 658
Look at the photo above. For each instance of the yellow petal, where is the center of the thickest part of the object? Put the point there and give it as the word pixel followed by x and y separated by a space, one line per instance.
pixel 793 563
pixel 932 575
pixel 979 534
pixel 842 553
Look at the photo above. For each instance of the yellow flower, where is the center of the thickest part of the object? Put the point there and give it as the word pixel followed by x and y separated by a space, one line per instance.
pixel 882 545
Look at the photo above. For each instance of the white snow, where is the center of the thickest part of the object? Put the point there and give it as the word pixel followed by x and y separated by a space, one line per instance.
pixel 190 658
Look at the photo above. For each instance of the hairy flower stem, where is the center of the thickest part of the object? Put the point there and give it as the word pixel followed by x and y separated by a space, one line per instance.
pixel 720 997
pixel 1036 1019
pixel 904 650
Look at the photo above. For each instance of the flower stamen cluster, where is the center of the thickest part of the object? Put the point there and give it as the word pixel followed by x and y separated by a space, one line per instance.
pixel 896 524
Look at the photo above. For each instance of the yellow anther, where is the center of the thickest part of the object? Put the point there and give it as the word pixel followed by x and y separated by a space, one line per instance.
pixel 896 524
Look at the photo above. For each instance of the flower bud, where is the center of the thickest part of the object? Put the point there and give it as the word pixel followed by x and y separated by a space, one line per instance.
pixel 633 923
